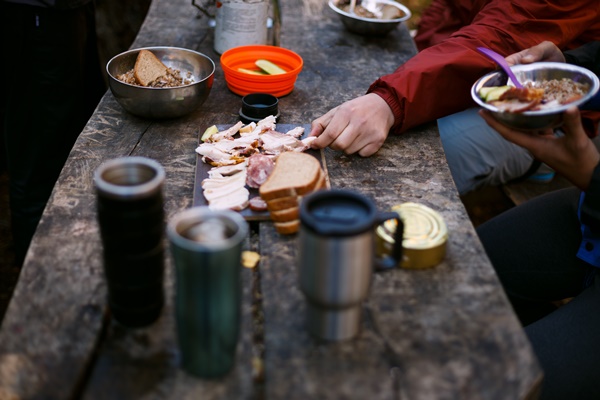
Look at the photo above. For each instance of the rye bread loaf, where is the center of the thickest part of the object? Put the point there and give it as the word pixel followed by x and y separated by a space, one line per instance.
pixel 148 68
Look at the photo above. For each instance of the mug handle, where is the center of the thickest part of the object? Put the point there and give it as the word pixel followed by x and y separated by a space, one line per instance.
pixel 393 260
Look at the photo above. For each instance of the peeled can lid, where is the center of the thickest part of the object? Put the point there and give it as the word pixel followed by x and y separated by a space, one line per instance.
pixel 424 239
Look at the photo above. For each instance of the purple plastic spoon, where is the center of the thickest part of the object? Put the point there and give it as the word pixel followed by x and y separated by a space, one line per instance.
pixel 498 59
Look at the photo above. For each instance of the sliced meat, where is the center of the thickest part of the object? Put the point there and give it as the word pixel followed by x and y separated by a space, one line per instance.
pixel 257 204
pixel 266 124
pixel 514 105
pixel 226 192
pixel 236 201
pixel 276 143
pixel 296 132
pixel 259 169
pixel 227 133
pixel 213 155
pixel 226 170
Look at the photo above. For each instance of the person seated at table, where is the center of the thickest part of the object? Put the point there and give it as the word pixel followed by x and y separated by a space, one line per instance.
pixel 492 160
pixel 548 250
pixel 53 82
pixel 436 82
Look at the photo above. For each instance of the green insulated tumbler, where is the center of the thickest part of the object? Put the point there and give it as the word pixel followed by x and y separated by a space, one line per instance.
pixel 206 246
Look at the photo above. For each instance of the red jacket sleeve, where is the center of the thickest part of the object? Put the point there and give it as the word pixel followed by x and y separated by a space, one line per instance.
pixel 437 81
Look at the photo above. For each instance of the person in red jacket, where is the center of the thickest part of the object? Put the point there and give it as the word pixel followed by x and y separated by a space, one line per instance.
pixel 436 82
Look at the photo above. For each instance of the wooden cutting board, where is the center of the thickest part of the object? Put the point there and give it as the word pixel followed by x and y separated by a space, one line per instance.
pixel 202 173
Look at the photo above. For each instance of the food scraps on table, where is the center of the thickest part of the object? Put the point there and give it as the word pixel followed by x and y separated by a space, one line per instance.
pixel 250 259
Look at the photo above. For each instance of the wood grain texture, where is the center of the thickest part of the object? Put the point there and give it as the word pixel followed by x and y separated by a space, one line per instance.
pixel 442 333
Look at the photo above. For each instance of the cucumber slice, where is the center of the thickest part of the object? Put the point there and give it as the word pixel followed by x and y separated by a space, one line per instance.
pixel 496 93
pixel 269 67
pixel 211 130
pixel 252 71
pixel 484 91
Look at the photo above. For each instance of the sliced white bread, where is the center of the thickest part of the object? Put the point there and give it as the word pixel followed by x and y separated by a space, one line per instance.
pixel 295 174
pixel 148 68
pixel 287 228
pixel 283 203
pixel 287 215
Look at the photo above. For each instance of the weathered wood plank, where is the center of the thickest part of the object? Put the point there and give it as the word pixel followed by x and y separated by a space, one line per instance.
pixel 415 318
pixel 442 333
pixel 299 366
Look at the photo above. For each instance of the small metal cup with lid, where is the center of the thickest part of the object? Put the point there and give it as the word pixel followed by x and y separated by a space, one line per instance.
pixel 337 259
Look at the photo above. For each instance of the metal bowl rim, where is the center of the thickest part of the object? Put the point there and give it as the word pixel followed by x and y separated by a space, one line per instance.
pixel 159 48
pixel 407 12
pixel 534 66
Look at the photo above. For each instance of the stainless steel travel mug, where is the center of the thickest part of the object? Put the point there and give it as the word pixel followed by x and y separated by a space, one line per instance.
pixel 206 246
pixel 337 259
pixel 131 220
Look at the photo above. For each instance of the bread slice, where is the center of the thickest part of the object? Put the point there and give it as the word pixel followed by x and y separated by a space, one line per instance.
pixel 287 228
pixel 148 68
pixel 321 183
pixel 283 203
pixel 287 215
pixel 295 174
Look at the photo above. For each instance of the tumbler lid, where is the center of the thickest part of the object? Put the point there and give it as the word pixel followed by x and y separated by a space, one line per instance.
pixel 129 178
pixel 257 106
pixel 337 213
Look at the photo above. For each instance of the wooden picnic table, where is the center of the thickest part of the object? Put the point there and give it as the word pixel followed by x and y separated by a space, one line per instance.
pixel 442 333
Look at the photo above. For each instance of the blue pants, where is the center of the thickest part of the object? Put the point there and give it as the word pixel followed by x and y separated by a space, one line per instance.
pixel 477 155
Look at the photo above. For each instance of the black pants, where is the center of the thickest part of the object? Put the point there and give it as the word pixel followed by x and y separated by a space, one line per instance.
pixel 533 249
pixel 51 85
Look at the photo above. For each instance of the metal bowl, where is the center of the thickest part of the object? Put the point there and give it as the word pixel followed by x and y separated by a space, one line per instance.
pixel 158 103
pixel 541 119
pixel 372 26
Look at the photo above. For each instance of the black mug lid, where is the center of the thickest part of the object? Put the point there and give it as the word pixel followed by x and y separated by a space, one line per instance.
pixel 337 212
pixel 257 106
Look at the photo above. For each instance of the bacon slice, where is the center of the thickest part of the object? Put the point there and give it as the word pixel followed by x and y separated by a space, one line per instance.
pixel 518 100
pixel 227 133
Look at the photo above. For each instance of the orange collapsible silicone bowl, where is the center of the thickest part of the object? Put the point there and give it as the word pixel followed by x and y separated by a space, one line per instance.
pixel 243 83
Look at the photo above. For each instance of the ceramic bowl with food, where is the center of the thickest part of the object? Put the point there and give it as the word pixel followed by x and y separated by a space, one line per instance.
pixel 244 76
pixel 556 79
pixel 371 17
pixel 196 70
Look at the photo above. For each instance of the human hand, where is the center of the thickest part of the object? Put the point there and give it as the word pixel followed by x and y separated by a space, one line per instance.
pixel 573 155
pixel 545 51
pixel 360 125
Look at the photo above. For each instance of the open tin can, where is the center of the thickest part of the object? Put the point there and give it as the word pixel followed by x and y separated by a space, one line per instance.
pixel 424 239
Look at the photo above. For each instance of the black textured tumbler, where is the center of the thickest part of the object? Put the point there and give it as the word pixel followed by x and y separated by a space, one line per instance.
pixel 131 219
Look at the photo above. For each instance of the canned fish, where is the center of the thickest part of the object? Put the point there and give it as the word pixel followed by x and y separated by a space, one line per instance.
pixel 424 240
